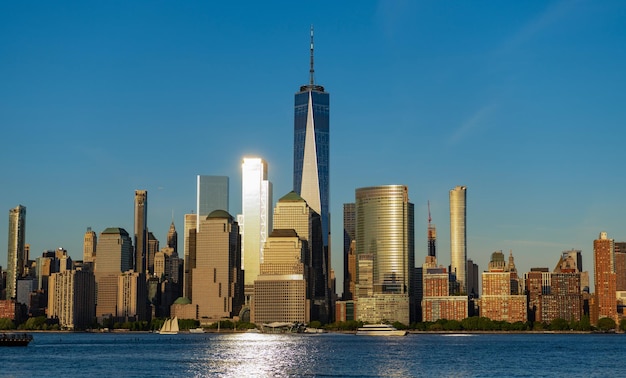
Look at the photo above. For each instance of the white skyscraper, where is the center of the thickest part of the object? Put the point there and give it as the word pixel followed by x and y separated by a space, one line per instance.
pixel 458 236
pixel 256 207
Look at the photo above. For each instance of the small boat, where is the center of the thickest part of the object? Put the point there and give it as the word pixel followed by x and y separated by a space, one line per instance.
pixel 379 330
pixel 196 330
pixel 15 339
pixel 170 327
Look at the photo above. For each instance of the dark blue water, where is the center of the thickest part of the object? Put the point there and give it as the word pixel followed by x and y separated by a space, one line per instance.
pixel 325 355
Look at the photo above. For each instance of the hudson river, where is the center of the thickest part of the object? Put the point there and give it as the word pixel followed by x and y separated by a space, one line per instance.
pixel 323 355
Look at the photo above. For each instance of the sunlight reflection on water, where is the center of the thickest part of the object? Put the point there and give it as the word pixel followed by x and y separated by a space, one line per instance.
pixel 253 355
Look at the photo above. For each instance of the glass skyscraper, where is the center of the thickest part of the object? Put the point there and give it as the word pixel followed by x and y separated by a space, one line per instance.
pixel 311 148
pixel 458 236
pixel 212 194
pixel 385 239
pixel 256 207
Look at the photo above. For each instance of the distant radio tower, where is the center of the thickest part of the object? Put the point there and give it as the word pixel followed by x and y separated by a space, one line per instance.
pixel 432 236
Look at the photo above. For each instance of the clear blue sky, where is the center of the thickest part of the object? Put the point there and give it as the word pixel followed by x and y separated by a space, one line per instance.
pixel 522 102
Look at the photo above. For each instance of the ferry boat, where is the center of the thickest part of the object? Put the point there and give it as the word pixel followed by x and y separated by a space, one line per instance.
pixel 196 330
pixel 15 339
pixel 379 330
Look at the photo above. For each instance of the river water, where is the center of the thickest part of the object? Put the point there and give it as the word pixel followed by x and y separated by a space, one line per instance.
pixel 322 355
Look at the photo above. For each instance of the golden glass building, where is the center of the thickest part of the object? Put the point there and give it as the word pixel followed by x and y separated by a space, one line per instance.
pixel 256 208
pixel 385 234
pixel 280 290
pixel 458 236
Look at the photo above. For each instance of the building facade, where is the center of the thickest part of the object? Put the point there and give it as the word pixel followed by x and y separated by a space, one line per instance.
pixel 90 241
pixel 189 250
pixel 349 260
pixel 16 252
pixel 458 236
pixel 141 230
pixel 256 205
pixel 311 152
pixel 212 193
pixel 114 257
pixel 72 299
pixel 217 277
pixel 385 253
pixel 280 290
pixel 605 278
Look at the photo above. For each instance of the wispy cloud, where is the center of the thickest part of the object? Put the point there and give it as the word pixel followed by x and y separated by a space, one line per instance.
pixel 472 124
pixel 551 15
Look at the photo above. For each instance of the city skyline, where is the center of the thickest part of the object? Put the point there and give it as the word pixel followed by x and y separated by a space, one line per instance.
pixel 519 110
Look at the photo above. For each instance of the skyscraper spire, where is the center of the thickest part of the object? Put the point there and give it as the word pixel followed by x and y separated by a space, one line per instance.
pixel 311 70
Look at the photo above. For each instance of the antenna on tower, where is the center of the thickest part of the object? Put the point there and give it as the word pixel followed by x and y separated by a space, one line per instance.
pixel 429 218
pixel 311 70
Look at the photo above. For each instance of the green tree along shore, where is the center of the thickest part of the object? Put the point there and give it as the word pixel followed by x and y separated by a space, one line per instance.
pixel 468 325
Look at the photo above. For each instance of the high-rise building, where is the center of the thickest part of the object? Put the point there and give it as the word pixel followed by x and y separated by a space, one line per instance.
pixel 16 249
pixel 293 212
pixel 473 286
pixel 90 242
pixel 349 235
pixel 537 284
pixel 385 253
pixel 280 288
pixel 172 237
pixel 189 250
pixel 114 256
pixel 458 236
pixel 256 206
pixel 211 195
pixel 499 300
pixel 605 278
pixel 153 248
pixel 311 149
pixel 72 298
pixel 141 230
pixel 131 296
pixel 217 286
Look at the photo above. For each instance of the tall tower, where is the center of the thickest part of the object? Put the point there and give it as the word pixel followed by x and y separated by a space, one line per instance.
pixel 349 261
pixel 605 277
pixel 172 237
pixel 385 248
pixel 189 250
pixel 311 148
pixel 256 206
pixel 114 256
pixel 211 195
pixel 458 236
pixel 16 249
pixel 89 246
pixel 217 287
pixel 141 230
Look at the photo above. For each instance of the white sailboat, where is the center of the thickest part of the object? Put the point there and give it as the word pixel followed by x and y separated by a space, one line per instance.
pixel 170 327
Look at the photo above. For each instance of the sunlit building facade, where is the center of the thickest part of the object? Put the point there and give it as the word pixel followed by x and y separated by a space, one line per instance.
pixel 385 253
pixel 72 299
pixel 605 278
pixel 114 257
pixel 16 255
pixel 141 230
pixel 217 277
pixel 458 236
pixel 280 290
pixel 256 205
pixel 90 242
